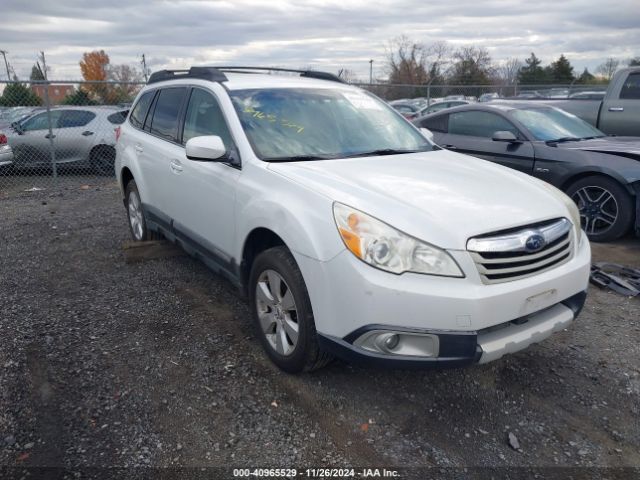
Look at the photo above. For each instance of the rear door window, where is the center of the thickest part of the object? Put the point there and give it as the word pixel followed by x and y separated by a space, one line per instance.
pixel 631 87
pixel 475 123
pixel 166 113
pixel 139 112
pixel 75 118
pixel 436 124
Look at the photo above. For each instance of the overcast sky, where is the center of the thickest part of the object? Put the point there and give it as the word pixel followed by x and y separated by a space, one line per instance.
pixel 324 34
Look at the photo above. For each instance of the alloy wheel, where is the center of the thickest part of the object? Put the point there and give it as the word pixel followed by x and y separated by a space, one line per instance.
pixel 598 209
pixel 135 216
pixel 277 312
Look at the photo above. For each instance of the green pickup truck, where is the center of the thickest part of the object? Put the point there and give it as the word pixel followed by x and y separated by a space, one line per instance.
pixel 618 113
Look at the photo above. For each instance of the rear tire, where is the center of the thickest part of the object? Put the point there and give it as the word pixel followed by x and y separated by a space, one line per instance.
pixel 282 312
pixel 103 159
pixel 135 214
pixel 606 208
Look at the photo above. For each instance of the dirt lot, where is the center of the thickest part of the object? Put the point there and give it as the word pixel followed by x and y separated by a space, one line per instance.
pixel 105 363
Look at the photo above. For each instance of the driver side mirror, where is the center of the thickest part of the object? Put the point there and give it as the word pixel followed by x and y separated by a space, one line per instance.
pixel 427 133
pixel 505 136
pixel 205 148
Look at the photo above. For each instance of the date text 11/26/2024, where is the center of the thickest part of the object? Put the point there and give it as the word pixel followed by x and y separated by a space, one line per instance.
pixel 315 473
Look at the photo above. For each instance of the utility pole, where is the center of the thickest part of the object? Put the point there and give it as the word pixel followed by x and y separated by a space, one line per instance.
pixel 144 67
pixel 6 64
pixel 371 72
pixel 50 136
pixel 44 65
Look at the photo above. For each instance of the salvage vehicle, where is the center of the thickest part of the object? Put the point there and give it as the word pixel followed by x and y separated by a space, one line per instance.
pixel 80 137
pixel 618 113
pixel 351 233
pixel 600 173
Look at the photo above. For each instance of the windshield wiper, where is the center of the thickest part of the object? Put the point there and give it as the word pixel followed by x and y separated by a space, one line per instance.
pixel 382 151
pixel 564 139
pixel 300 158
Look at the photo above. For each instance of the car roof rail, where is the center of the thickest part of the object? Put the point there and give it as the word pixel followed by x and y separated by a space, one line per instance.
pixel 204 73
pixel 303 73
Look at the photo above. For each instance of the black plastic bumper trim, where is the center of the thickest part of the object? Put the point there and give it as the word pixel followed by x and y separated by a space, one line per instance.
pixel 358 356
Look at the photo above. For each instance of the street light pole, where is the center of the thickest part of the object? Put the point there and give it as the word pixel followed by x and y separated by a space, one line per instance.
pixel 371 72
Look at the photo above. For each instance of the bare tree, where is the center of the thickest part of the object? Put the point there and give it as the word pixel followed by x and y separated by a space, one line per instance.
pixel 406 61
pixel 608 68
pixel 347 75
pixel 437 59
pixel 471 66
pixel 124 74
pixel 508 69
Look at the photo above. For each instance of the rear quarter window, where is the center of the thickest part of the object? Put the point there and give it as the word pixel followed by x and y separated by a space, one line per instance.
pixel 118 117
pixel 139 112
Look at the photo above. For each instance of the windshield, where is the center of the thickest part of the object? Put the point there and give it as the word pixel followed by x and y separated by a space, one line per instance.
pixel 553 124
pixel 309 124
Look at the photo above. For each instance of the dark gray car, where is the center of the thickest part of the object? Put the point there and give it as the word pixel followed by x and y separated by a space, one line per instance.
pixel 600 173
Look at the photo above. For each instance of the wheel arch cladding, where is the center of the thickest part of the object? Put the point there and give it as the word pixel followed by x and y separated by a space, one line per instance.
pixel 125 177
pixel 258 240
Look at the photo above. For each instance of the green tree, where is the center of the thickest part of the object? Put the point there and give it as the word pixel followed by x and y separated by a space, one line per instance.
pixel 561 71
pixel 79 97
pixel 634 62
pixel 36 72
pixel 586 77
pixel 19 95
pixel 532 73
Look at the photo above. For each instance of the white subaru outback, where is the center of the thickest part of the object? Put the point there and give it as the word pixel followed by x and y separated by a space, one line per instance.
pixel 352 233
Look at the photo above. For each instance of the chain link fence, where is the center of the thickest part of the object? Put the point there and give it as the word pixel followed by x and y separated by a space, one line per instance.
pixel 60 133
pixel 436 93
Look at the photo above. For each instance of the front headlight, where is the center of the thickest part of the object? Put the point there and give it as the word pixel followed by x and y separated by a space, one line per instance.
pixel 386 248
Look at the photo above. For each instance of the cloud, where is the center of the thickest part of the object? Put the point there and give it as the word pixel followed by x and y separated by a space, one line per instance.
pixel 329 34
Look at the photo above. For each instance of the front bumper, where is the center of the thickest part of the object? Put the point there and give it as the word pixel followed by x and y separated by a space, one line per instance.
pixel 458 349
pixel 474 322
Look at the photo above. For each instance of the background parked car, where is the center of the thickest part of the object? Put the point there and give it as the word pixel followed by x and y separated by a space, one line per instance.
pixel 589 95
pixel 15 114
pixel 436 107
pixel 600 173
pixel 408 109
pixel 487 97
pixel 618 113
pixel 82 136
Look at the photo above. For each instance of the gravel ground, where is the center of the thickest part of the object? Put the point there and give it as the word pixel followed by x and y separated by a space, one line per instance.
pixel 105 363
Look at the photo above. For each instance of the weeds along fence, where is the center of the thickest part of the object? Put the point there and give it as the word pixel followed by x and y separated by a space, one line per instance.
pixel 57 133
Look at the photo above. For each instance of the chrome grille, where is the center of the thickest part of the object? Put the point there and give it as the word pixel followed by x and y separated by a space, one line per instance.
pixel 522 252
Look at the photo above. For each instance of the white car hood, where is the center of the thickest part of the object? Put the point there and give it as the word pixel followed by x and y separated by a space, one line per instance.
pixel 441 197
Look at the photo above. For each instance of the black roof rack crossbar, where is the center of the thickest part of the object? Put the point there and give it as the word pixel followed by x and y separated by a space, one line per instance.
pixel 303 73
pixel 203 73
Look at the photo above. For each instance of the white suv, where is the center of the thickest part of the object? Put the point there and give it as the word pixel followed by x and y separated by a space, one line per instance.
pixel 352 234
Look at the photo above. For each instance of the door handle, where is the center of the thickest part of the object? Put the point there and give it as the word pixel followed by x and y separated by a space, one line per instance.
pixel 139 148
pixel 176 166
pixel 49 135
pixel 616 109
pixel 87 133
pixel 450 147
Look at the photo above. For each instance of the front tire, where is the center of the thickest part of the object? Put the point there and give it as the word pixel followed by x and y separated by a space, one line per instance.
pixel 606 208
pixel 135 214
pixel 282 312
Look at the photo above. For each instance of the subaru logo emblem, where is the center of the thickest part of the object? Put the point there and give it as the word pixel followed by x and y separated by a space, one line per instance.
pixel 534 243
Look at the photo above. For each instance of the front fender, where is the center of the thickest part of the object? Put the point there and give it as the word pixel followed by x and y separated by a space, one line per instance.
pixel 306 226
